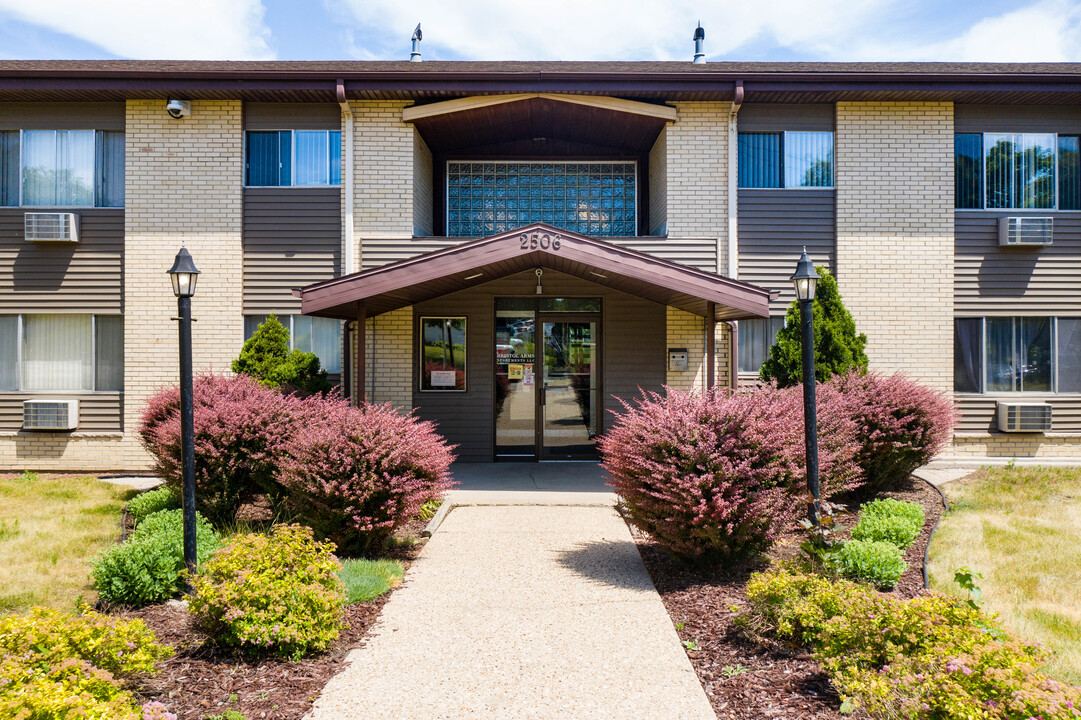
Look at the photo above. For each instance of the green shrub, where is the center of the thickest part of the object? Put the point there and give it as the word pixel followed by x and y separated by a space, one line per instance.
pixel 267 358
pixel 929 658
pixel 147 567
pixel 876 562
pixel 59 665
pixel 152 501
pixel 368 579
pixel 889 520
pixel 277 594
pixel 838 347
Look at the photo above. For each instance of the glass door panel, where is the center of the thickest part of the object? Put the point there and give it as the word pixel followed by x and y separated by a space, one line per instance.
pixel 569 398
pixel 515 384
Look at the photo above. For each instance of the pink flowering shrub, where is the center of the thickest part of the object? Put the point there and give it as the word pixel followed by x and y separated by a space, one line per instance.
pixel 715 476
pixel 901 424
pixel 356 474
pixel 240 429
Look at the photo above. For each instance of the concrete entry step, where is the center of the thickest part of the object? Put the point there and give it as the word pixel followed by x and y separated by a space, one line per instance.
pixel 546 483
pixel 522 612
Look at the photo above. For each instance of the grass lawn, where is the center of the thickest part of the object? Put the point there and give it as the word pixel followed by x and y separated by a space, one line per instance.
pixel 1020 528
pixel 368 579
pixel 49 530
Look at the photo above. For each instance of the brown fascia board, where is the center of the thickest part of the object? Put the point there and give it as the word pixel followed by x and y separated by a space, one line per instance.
pixel 211 77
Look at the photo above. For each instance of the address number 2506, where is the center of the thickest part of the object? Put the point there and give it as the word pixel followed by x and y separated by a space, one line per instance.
pixel 544 241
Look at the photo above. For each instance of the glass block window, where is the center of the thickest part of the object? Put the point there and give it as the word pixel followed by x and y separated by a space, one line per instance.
pixel 591 198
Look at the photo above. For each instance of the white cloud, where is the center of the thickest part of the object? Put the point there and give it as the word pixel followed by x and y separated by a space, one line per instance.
pixel 155 29
pixel 1046 30
pixel 600 29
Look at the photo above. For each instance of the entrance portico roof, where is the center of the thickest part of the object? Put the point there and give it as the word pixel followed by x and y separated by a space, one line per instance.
pixel 425 277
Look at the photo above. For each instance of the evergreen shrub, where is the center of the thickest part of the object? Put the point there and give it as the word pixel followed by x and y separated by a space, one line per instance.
pixel 267 358
pixel 838 347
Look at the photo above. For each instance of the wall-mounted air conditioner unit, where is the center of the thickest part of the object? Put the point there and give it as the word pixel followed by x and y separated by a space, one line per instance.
pixel 1024 417
pixel 1023 231
pixel 51 227
pixel 50 414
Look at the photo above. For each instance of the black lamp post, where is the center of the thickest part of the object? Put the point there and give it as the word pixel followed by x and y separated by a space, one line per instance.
pixel 806 282
pixel 184 274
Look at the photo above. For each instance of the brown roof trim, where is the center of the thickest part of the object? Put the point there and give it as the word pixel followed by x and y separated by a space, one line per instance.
pixel 762 81
pixel 440 272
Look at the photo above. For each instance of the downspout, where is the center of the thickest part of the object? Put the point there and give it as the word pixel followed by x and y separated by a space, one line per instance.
pixel 347 184
pixel 347 219
pixel 733 225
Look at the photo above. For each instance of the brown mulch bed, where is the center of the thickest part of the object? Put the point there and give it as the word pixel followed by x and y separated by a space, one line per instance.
pixel 743 678
pixel 201 680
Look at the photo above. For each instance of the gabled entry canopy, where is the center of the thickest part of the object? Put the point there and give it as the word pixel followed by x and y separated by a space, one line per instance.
pixel 472 263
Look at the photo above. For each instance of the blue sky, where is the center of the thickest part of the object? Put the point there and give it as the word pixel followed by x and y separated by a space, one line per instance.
pixel 813 30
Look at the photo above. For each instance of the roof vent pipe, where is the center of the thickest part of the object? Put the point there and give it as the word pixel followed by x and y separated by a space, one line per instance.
pixel 417 37
pixel 699 41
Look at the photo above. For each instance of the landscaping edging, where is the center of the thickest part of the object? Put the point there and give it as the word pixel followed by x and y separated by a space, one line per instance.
pixel 927 550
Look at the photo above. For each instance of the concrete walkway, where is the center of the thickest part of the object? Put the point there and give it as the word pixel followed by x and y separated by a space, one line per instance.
pixel 522 612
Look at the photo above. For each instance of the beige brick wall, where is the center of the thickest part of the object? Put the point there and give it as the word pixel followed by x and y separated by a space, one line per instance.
pixel 686 330
pixel 658 185
pixel 183 184
pixel 80 452
pixel 1015 446
pixel 895 233
pixel 389 358
pixel 422 186
pixel 383 154
pixel 697 174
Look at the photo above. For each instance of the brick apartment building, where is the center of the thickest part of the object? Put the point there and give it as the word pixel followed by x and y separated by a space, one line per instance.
pixel 511 247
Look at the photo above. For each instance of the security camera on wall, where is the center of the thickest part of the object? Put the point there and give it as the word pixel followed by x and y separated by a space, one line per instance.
pixel 178 109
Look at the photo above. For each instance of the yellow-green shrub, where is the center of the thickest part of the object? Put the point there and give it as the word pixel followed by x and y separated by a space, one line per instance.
pixel 276 594
pixel 58 665
pixel 72 689
pixel 929 658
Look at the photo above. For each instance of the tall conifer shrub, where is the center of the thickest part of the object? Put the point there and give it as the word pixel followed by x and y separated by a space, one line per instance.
pixel 838 347
pixel 267 358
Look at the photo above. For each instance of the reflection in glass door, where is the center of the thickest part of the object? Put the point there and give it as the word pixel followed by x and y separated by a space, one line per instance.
pixel 515 388
pixel 569 389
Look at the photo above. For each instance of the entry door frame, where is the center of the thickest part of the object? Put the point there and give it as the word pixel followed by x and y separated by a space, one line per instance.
pixel 539 396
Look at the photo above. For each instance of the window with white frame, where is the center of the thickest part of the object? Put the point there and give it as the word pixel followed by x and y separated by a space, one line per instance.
pixel 756 337
pixel 322 336
pixel 61 353
pixel 1017 171
pixel 61 168
pixel 791 159
pixel 1017 354
pixel 282 158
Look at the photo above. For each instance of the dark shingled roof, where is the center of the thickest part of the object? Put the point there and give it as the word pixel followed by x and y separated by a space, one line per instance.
pixel 42 80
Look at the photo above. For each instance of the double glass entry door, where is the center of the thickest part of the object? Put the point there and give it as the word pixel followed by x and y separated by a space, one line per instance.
pixel 547 386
